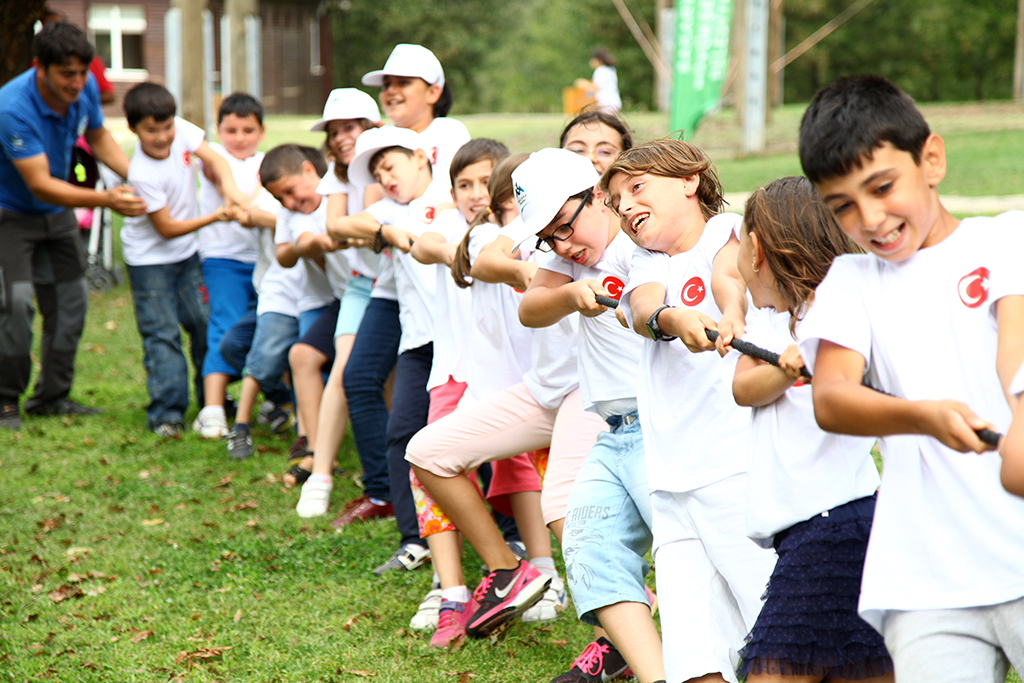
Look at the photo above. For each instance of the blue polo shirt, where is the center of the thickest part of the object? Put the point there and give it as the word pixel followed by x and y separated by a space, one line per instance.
pixel 28 128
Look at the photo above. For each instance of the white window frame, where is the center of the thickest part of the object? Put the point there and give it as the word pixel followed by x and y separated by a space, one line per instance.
pixel 118 26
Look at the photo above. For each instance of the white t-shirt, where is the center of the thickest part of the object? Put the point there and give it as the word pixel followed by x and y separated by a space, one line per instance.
pixel 266 254
pixel 170 183
pixel 555 354
pixel 453 314
pixel 608 353
pixel 316 290
pixel 796 470
pixel 336 266
pixel 362 260
pixel 946 534
pixel 607 82
pixel 441 140
pixel 694 433
pixel 228 240
pixel 500 345
pixel 416 283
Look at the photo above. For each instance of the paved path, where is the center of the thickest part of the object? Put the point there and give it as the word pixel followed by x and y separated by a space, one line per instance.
pixel 962 206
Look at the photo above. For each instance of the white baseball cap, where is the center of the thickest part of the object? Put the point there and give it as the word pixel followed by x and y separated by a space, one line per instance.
pixel 374 140
pixel 348 103
pixel 542 184
pixel 413 61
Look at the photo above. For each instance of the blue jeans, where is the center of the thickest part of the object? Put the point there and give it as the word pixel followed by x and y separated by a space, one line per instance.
pixel 167 298
pixel 374 353
pixel 267 359
pixel 229 286
pixel 236 345
pixel 410 403
pixel 608 523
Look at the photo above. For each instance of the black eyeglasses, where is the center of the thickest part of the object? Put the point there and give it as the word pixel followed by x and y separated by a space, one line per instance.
pixel 562 232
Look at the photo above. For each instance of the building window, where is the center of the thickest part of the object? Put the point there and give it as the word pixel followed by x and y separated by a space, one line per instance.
pixel 116 31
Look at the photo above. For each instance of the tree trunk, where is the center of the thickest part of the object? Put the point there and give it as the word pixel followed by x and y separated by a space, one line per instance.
pixel 16 35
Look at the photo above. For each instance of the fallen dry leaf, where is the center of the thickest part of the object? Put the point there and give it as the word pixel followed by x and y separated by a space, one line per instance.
pixel 64 592
pixel 224 482
pixel 141 636
pixel 153 522
pixel 96 590
pixel 360 672
pixel 144 474
pixel 200 655
pixel 77 552
pixel 238 615
pixel 110 325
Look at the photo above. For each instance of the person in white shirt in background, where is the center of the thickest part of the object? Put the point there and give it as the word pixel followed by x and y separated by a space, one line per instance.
pixel 227 251
pixel 603 86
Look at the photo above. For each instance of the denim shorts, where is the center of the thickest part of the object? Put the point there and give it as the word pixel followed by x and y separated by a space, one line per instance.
pixel 608 523
pixel 268 355
pixel 353 304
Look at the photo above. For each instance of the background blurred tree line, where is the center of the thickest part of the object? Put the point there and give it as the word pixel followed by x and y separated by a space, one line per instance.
pixel 517 55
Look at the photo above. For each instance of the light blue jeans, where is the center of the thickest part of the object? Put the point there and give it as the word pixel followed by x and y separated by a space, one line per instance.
pixel 608 522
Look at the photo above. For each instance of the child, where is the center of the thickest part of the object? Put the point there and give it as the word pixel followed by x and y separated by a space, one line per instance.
pixel 347 113
pixel 597 134
pixel 292 176
pixel 394 158
pixel 942 577
pixel 810 494
pixel 160 248
pixel 415 95
pixel 1012 447
pixel 604 552
pixel 545 409
pixel 666 194
pixel 227 251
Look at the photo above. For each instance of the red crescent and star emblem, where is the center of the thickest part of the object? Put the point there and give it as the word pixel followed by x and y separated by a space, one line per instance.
pixel 693 291
pixel 433 156
pixel 428 214
pixel 185 161
pixel 613 286
pixel 973 287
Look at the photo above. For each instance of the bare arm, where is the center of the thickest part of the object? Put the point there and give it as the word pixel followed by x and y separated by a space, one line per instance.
pixel 730 294
pixel 687 324
pixel 1010 347
pixel 287 254
pixel 105 148
pixel 843 405
pixel 314 246
pixel 1012 449
pixel 496 264
pixel 758 384
pixel 168 228
pixel 222 176
pixel 364 226
pixel 552 296
pixel 431 248
pixel 35 171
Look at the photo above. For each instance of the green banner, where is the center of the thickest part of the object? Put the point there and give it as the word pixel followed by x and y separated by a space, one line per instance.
pixel 701 60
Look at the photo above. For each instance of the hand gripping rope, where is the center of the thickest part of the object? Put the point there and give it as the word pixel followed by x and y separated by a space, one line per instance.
pixel 987 435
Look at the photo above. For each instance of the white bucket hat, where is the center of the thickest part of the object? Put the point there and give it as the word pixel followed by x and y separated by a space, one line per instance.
pixel 542 184
pixel 347 103
pixel 374 140
pixel 413 61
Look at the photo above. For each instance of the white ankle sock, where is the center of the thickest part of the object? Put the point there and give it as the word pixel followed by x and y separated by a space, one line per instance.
pixel 456 594
pixel 545 565
pixel 326 478
pixel 213 410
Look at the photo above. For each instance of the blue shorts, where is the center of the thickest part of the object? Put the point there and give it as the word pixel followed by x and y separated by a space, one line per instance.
pixel 608 522
pixel 231 294
pixel 268 356
pixel 353 304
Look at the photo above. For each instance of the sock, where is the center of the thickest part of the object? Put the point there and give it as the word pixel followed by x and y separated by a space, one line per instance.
pixel 456 594
pixel 213 410
pixel 378 501
pixel 326 478
pixel 545 565
pixel 435 581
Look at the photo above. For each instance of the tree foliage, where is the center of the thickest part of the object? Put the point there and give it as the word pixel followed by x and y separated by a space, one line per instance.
pixel 16 22
pixel 933 49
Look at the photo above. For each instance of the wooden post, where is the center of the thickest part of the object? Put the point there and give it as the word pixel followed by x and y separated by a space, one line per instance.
pixel 236 11
pixel 1018 55
pixel 776 46
pixel 191 106
pixel 737 59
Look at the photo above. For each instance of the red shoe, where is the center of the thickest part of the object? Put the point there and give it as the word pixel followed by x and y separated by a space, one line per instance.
pixel 362 509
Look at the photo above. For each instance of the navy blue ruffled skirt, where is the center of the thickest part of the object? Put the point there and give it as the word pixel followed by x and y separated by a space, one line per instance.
pixel 809 624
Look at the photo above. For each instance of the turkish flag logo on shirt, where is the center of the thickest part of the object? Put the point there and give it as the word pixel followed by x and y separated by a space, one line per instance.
pixel 433 156
pixel 693 291
pixel 613 286
pixel 973 287
pixel 428 214
pixel 185 161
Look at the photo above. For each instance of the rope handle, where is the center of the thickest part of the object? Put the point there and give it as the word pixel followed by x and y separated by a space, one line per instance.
pixel 986 435
pixel 606 301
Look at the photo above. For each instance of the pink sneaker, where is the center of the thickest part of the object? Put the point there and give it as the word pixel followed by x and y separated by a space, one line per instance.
pixel 451 623
pixel 504 595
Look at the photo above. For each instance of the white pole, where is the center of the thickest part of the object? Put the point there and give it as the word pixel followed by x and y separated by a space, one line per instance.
pixel 756 92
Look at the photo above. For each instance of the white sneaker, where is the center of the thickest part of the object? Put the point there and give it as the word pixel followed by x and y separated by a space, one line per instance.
pixel 211 423
pixel 315 497
pixel 425 618
pixel 550 605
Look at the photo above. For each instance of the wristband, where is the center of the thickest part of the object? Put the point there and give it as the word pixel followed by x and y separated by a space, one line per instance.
pixel 378 240
pixel 652 326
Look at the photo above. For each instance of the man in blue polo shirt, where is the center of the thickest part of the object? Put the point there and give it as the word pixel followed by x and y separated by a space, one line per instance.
pixel 42 113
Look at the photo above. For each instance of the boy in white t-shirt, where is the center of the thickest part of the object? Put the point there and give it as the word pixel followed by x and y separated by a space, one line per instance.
pixel 942 579
pixel 710 576
pixel 395 159
pixel 160 248
pixel 607 528
pixel 227 251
